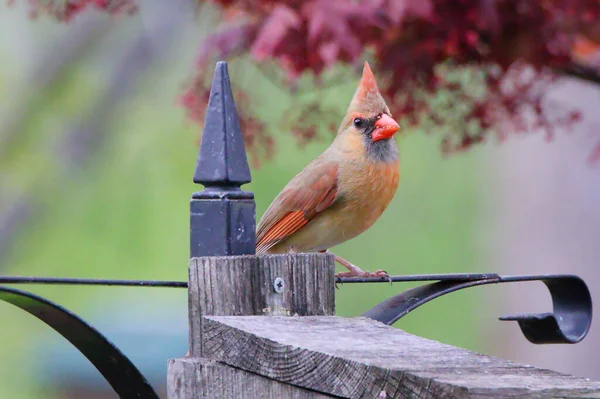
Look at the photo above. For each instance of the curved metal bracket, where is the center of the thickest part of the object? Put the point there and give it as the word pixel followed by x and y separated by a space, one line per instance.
pixel 568 324
pixel 117 369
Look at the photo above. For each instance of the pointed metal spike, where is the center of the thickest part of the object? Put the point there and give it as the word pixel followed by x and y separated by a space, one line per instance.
pixel 222 157
pixel 222 216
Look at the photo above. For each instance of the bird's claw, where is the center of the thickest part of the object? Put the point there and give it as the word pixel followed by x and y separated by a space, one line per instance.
pixel 382 274
pixel 337 282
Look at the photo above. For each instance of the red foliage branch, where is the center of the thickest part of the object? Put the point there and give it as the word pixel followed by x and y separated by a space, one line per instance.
pixel 516 49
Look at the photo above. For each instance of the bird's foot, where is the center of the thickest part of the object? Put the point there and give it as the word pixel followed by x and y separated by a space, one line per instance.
pixel 355 271
pixel 361 273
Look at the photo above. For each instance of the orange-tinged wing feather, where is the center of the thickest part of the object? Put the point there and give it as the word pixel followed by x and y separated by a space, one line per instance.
pixel 288 225
pixel 311 191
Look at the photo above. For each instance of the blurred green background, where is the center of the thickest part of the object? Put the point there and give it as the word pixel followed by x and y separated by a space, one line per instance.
pixel 96 164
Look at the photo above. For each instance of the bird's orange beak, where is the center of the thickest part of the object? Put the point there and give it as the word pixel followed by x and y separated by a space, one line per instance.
pixel 385 127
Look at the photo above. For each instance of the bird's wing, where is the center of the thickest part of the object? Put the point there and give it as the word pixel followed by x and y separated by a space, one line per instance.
pixel 311 191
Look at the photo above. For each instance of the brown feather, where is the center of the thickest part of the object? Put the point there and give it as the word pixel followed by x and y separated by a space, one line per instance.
pixel 310 192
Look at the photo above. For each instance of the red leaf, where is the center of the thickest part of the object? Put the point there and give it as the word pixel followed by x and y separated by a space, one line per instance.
pixel 226 42
pixel 330 20
pixel 489 16
pixel 273 31
pixel 418 8
pixel 329 52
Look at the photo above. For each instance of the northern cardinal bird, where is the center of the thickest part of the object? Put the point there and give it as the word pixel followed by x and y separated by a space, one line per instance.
pixel 344 190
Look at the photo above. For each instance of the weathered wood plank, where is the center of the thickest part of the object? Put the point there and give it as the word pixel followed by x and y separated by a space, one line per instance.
pixel 243 285
pixel 200 378
pixel 359 358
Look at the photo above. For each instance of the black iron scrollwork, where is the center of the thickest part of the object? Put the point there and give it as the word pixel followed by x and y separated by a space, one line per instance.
pixel 115 367
pixel 569 322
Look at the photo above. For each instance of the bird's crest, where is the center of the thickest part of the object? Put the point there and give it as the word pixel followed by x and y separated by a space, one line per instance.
pixel 367 97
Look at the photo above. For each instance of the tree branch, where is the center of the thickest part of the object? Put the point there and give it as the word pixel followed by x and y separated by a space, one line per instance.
pixel 581 72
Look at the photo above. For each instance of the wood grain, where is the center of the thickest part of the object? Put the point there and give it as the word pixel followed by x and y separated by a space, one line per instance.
pixel 205 379
pixel 243 285
pixel 360 358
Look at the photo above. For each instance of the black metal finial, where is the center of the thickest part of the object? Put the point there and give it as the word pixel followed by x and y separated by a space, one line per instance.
pixel 222 217
pixel 222 157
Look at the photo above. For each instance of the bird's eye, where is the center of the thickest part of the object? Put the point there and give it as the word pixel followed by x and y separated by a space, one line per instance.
pixel 358 122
